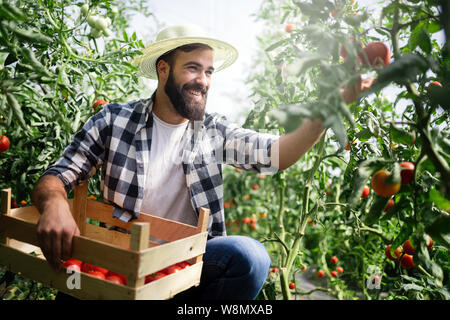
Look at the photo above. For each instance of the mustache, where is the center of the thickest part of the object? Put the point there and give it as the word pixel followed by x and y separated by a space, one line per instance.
pixel 195 87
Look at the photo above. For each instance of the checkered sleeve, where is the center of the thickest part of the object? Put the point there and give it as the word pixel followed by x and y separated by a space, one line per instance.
pixel 83 156
pixel 247 149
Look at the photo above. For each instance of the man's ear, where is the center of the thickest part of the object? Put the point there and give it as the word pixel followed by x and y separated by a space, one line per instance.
pixel 162 68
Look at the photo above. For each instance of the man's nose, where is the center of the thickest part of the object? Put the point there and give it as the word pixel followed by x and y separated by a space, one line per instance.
pixel 203 80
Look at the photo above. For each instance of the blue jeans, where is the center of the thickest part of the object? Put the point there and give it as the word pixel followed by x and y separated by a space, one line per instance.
pixel 234 268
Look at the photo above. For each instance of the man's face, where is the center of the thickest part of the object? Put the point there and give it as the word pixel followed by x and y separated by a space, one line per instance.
pixel 189 81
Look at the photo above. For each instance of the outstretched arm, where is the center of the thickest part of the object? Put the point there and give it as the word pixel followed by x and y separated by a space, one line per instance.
pixel 292 146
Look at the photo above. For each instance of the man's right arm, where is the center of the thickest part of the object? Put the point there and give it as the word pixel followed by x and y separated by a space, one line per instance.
pixel 56 226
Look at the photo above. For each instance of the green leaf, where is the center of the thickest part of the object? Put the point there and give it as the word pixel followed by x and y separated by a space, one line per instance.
pixel 290 116
pixel 403 71
pixel 412 286
pixel 439 200
pixel 376 210
pixel 425 41
pixel 303 63
pixel 400 135
pixel 364 171
pixel 440 95
pixel 440 230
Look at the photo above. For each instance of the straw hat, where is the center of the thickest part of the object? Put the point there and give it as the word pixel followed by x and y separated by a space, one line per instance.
pixel 172 37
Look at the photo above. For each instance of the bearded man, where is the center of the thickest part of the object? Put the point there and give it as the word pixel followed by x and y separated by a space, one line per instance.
pixel 163 156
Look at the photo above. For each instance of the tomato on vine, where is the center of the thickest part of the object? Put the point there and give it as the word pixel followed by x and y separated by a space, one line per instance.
pixel 390 203
pixel 407 261
pixel 407 172
pixel 380 187
pixel 408 248
pixel 4 143
pixel 365 193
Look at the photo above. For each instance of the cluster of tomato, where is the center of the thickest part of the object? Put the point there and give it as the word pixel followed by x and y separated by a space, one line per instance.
pixel 334 273
pixel 383 189
pixel 102 273
pixel 405 253
pixel 95 271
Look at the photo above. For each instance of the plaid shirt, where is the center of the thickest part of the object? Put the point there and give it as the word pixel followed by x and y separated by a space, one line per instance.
pixel 119 137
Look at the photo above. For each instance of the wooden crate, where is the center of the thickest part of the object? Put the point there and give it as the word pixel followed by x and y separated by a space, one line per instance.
pixel 20 252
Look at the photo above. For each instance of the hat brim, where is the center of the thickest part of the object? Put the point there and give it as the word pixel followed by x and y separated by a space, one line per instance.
pixel 224 54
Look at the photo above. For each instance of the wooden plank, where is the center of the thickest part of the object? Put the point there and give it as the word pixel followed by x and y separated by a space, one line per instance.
pixel 169 286
pixel 157 258
pixel 164 229
pixel 5 209
pixel 202 226
pixel 91 251
pixel 112 237
pixel 140 232
pixel 38 269
pixel 80 206
pixel 25 247
pixel 28 213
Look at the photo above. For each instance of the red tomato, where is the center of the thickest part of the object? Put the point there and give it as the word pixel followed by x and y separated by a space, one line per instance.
pixel 97 274
pixel 154 276
pixel 170 269
pixel 320 273
pixel 397 252
pixel 99 103
pixel 377 54
pixel 86 267
pixel 246 220
pixel 289 28
pixel 407 172
pixel 334 259
pixel 380 187
pixel 430 242
pixel 4 143
pixel 390 203
pixel 73 263
pixel 408 248
pixel 115 279
pixel 274 269
pixel 340 269
pixel 291 285
pixel 334 274
pixel 124 278
pixel 365 192
pixel 407 261
pixel 255 187
pixel 183 264
pixel 13 204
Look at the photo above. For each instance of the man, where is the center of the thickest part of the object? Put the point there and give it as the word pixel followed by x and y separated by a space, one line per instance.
pixel 164 156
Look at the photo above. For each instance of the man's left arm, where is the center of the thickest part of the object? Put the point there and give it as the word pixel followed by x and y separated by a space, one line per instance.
pixel 290 147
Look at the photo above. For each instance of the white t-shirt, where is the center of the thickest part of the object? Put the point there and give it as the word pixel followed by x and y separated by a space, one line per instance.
pixel 166 194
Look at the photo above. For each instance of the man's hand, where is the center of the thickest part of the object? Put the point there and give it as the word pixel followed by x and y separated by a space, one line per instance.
pixel 55 230
pixel 56 226
pixel 350 94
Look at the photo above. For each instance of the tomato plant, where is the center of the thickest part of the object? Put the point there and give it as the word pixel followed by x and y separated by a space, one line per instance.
pixel 377 77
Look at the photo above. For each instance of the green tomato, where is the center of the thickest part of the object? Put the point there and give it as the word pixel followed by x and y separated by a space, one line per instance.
pixel 84 9
pixel 92 21
pixel 101 24
pixel 95 33
pixel 107 32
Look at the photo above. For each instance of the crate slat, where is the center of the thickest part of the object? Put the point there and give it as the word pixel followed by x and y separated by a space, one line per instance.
pixel 167 287
pixel 88 250
pixel 164 229
pixel 37 268
pixel 157 258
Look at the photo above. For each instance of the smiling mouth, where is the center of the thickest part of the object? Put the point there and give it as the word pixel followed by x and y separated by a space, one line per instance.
pixel 195 93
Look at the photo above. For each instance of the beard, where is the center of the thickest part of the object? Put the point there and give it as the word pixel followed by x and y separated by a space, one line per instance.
pixel 186 106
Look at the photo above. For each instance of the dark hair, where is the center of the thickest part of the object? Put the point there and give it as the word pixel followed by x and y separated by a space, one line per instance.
pixel 169 56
